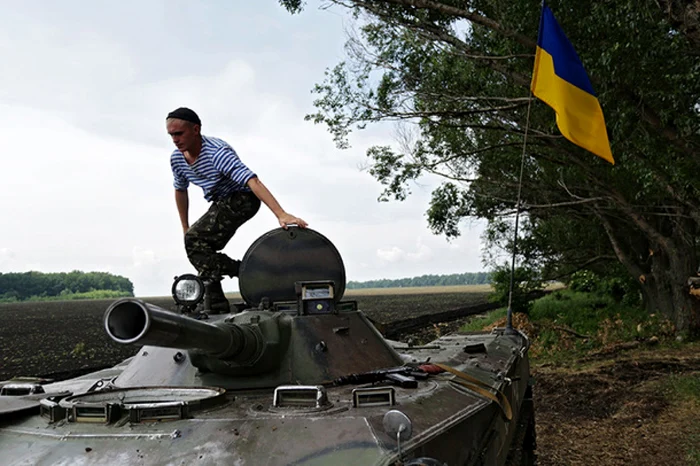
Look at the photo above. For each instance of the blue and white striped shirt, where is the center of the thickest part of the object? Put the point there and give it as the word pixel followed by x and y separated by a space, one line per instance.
pixel 217 170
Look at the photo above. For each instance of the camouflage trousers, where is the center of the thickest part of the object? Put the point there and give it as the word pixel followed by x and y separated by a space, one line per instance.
pixel 210 234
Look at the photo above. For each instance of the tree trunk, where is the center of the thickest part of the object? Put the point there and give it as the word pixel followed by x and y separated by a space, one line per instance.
pixel 666 290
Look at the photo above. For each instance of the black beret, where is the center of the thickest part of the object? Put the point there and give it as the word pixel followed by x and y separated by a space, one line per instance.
pixel 186 114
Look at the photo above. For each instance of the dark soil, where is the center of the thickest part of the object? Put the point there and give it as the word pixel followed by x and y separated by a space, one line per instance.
pixel 59 339
pixel 616 412
pixel 386 309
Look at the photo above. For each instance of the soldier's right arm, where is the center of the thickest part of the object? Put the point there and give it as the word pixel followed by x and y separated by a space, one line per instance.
pixel 182 201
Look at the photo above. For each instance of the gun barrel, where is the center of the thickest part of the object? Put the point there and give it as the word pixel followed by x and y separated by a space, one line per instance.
pixel 132 321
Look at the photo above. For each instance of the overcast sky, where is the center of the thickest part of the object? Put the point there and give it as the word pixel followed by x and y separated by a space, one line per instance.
pixel 86 185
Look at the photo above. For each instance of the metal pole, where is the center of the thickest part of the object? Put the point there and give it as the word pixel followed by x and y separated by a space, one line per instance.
pixel 509 315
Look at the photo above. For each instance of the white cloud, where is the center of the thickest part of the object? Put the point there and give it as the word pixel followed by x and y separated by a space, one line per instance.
pixel 144 257
pixel 393 254
pixel 59 68
pixel 87 182
pixel 6 258
pixel 422 253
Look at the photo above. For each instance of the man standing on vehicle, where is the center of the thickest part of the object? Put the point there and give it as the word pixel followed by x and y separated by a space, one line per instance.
pixel 232 188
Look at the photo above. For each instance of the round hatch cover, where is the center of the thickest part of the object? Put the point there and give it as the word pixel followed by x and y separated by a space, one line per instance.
pixel 280 258
pixel 17 404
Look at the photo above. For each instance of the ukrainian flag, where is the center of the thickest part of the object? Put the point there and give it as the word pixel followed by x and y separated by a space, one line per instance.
pixel 560 80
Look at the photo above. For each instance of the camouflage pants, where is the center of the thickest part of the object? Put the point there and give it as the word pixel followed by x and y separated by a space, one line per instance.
pixel 214 229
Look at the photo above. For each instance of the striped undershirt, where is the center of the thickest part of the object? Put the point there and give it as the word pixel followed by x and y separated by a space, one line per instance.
pixel 217 170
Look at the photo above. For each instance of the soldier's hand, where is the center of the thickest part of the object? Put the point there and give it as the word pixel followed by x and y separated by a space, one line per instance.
pixel 289 219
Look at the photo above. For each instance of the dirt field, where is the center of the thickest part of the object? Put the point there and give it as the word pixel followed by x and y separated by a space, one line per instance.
pixel 616 411
pixel 61 338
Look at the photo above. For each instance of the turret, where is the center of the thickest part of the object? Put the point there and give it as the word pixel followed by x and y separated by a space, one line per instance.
pixel 294 328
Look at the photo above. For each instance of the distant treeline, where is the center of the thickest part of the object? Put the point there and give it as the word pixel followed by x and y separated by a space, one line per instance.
pixel 477 278
pixel 28 286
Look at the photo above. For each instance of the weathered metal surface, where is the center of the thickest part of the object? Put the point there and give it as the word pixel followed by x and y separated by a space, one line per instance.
pixel 285 386
pixel 157 366
pixel 449 423
pixel 17 404
pixel 130 320
pixel 327 347
pixel 278 259
pixel 311 349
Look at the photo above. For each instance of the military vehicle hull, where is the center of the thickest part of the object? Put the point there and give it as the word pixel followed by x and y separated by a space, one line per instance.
pixel 305 382
pixel 450 423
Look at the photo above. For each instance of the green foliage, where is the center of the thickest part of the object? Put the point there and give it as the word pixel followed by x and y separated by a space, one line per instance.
pixel 597 319
pixel 566 325
pixel 478 278
pixel 683 387
pixel 525 281
pixel 94 294
pixel 294 6
pixel 478 323
pixel 35 286
pixel 447 206
pixel 583 281
pixel 456 76
pixel 79 350
pixel 693 455
pixel 584 312
pixel 619 288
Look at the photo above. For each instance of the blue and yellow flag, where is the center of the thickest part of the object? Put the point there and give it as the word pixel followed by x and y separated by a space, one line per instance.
pixel 560 80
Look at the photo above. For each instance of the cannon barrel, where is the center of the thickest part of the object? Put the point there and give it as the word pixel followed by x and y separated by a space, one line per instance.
pixel 132 321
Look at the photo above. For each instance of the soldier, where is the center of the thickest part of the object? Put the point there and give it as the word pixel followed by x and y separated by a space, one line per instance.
pixel 232 188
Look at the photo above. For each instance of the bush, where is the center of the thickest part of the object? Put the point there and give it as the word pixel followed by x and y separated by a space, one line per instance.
pixel 622 289
pixel 478 323
pixel 596 316
pixel 583 281
pixel 525 281
pixel 94 294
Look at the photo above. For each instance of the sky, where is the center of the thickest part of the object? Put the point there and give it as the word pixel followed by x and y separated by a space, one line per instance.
pixel 86 181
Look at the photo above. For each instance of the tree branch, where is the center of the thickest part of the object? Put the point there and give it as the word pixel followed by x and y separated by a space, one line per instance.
pixel 633 268
pixel 471 16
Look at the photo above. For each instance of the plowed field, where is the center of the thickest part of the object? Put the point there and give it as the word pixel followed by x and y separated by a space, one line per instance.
pixel 57 339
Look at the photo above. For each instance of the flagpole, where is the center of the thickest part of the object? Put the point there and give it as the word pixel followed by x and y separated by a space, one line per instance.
pixel 509 315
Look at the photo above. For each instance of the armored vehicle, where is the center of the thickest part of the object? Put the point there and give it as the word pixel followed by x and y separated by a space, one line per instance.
pixel 297 376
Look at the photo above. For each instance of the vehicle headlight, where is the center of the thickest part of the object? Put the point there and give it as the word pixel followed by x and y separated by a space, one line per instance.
pixel 188 289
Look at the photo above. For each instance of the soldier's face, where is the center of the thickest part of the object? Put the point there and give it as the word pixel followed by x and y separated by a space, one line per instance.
pixel 183 133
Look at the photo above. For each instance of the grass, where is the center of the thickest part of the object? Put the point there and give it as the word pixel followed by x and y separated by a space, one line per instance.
pixel 576 331
pixel 683 391
pixel 479 322
pixel 88 295
pixel 685 387
pixel 571 324
pixel 692 442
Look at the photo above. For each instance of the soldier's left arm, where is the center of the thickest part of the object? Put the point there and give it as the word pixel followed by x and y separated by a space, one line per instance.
pixel 264 194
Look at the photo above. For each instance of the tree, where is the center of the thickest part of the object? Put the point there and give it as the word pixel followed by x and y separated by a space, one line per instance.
pixel 456 75
pixel 22 286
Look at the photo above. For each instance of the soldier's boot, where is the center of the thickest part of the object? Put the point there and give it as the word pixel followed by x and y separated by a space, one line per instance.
pixel 219 303
pixel 232 268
